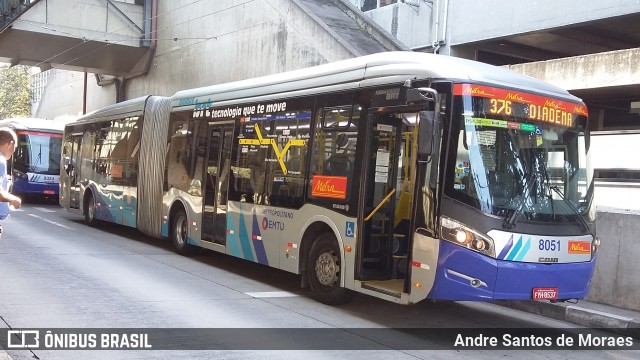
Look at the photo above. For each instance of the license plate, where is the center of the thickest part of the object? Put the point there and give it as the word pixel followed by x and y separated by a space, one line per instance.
pixel 545 293
pixel 49 192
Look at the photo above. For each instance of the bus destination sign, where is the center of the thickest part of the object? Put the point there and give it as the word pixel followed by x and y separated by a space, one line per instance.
pixel 537 108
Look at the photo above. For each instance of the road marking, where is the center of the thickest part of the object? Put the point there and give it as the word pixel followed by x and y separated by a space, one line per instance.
pixel 271 294
pixel 44 209
pixel 51 222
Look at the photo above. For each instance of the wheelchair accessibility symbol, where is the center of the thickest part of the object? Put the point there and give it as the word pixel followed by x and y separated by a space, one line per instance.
pixel 350 232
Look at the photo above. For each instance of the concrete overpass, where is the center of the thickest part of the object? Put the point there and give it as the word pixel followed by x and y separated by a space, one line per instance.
pixel 108 37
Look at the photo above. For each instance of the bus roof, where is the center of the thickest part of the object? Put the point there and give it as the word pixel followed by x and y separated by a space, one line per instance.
pixel 33 124
pixel 135 105
pixel 365 71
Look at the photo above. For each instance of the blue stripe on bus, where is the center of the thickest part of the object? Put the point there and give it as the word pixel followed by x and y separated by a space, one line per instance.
pixel 524 251
pixel 515 250
pixel 232 237
pixel 244 239
pixel 506 248
pixel 258 245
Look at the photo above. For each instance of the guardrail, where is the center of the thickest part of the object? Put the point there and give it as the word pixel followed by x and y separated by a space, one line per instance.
pixel 11 9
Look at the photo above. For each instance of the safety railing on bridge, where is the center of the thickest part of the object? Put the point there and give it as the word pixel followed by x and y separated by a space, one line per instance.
pixel 11 9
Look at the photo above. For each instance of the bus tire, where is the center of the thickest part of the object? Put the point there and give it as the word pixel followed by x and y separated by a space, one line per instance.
pixel 324 268
pixel 179 231
pixel 90 210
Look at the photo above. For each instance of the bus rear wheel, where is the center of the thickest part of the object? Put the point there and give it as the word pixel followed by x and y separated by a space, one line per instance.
pixel 179 232
pixel 90 210
pixel 324 268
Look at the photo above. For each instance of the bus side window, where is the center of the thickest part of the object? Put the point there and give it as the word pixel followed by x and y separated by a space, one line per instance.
pixel 133 147
pixel 334 147
pixel 102 150
pixel 287 172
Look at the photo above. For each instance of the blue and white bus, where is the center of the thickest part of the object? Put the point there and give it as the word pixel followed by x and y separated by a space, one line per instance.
pixel 35 165
pixel 405 176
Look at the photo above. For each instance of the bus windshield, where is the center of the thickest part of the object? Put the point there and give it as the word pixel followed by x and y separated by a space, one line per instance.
pixel 524 157
pixel 38 153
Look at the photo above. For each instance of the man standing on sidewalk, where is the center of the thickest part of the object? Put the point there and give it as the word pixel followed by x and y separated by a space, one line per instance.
pixel 8 143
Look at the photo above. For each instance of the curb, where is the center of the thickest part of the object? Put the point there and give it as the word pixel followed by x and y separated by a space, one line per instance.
pixel 578 315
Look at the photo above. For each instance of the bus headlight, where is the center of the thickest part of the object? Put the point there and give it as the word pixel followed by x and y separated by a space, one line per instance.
pixel 20 175
pixel 455 232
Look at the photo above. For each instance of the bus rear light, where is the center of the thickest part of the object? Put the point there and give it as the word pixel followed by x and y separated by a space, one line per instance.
pixel 347 248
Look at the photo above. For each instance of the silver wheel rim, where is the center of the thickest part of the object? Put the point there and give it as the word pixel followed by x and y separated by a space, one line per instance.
pixel 327 268
pixel 180 231
pixel 92 209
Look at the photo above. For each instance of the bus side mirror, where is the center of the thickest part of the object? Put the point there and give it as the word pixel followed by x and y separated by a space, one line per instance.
pixel 427 119
pixel 425 132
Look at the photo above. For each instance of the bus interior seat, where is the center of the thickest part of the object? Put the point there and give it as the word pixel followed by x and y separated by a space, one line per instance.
pixel 340 163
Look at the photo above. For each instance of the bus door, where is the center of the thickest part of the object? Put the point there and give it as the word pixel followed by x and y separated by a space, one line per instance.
pixel 73 171
pixel 216 182
pixel 383 150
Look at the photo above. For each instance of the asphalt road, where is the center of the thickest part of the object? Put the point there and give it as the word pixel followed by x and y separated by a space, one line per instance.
pixel 57 273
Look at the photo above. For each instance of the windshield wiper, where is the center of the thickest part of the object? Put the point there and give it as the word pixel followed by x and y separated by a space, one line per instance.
pixel 583 222
pixel 510 220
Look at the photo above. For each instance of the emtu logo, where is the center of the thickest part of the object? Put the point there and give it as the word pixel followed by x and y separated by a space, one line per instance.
pixel 579 247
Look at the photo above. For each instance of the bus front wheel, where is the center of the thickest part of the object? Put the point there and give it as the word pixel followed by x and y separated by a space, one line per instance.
pixel 179 231
pixel 90 210
pixel 324 268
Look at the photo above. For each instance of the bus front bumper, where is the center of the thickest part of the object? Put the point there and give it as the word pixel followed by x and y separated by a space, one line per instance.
pixel 35 188
pixel 466 275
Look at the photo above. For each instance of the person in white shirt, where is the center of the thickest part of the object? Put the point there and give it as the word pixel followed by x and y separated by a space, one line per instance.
pixel 8 143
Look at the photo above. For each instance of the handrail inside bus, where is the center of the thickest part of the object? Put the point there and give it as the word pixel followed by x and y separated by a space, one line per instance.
pixel 384 201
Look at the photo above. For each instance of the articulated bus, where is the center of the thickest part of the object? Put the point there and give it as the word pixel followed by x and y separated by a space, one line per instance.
pixel 405 176
pixel 35 165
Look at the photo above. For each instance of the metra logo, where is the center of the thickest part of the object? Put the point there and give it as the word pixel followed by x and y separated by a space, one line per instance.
pixel 553 104
pixel 581 110
pixel 476 91
pixel 579 247
pixel 516 97
pixel 334 187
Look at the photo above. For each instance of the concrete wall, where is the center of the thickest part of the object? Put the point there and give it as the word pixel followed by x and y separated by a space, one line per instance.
pixel 63 96
pixel 209 42
pixel 213 42
pixel 471 21
pixel 88 19
pixel 466 21
pixel 616 280
pixel 413 25
pixel 613 68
